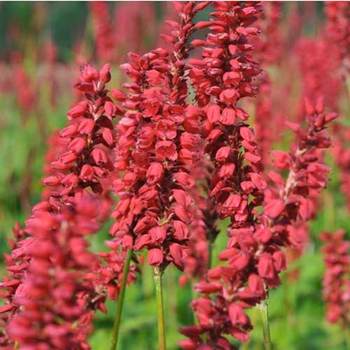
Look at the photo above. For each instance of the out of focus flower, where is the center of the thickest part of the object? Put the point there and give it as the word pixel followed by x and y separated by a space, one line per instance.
pixel 336 280
pixel 319 74
pixel 25 90
pixel 341 153
pixel 50 58
pixel 269 50
pixel 103 31
pixel 134 26
pixel 338 31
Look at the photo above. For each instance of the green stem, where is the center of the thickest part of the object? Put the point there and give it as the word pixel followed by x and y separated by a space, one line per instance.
pixel 120 302
pixel 346 339
pixel 266 328
pixel 210 253
pixel 245 346
pixel 160 308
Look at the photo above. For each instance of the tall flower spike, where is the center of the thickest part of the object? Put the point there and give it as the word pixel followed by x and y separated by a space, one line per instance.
pixel 341 152
pixel 105 43
pixel 338 30
pixel 228 69
pixel 236 184
pixel 269 48
pixel 336 280
pixel 24 87
pixel 54 237
pixel 254 254
pixel 87 141
pixel 134 27
pixel 50 57
pixel 159 141
pixel 319 72
pixel 270 43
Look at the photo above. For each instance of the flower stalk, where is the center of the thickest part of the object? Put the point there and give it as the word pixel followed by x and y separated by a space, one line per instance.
pixel 160 308
pixel 263 308
pixel 120 302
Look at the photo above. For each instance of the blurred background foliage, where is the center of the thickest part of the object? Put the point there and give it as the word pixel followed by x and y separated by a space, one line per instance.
pixel 296 308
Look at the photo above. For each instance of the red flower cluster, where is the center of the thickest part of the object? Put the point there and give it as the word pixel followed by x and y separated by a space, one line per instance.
pixel 134 26
pixel 270 44
pixel 254 253
pixel 87 141
pixel 319 73
pixel 341 153
pixel 159 142
pixel 269 47
pixel 55 147
pixel 227 67
pixel 336 280
pixel 103 30
pixel 50 58
pixel 25 90
pixel 131 27
pixel 338 30
pixel 236 183
pixel 307 176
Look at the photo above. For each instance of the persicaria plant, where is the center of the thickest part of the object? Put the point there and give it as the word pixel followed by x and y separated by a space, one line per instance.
pixel 187 164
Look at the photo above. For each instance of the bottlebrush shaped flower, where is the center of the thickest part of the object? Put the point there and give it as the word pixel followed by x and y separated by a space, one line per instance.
pixel 51 287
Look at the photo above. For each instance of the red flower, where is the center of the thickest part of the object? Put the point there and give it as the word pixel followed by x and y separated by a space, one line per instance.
pixel 274 208
pixel 155 257
pixel 338 32
pixel 166 150
pixel 103 31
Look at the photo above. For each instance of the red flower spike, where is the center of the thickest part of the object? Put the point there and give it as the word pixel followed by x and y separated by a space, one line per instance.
pixel 269 50
pixel 54 237
pixel 253 255
pixel 103 32
pixel 159 147
pixel 336 287
pixel 227 134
